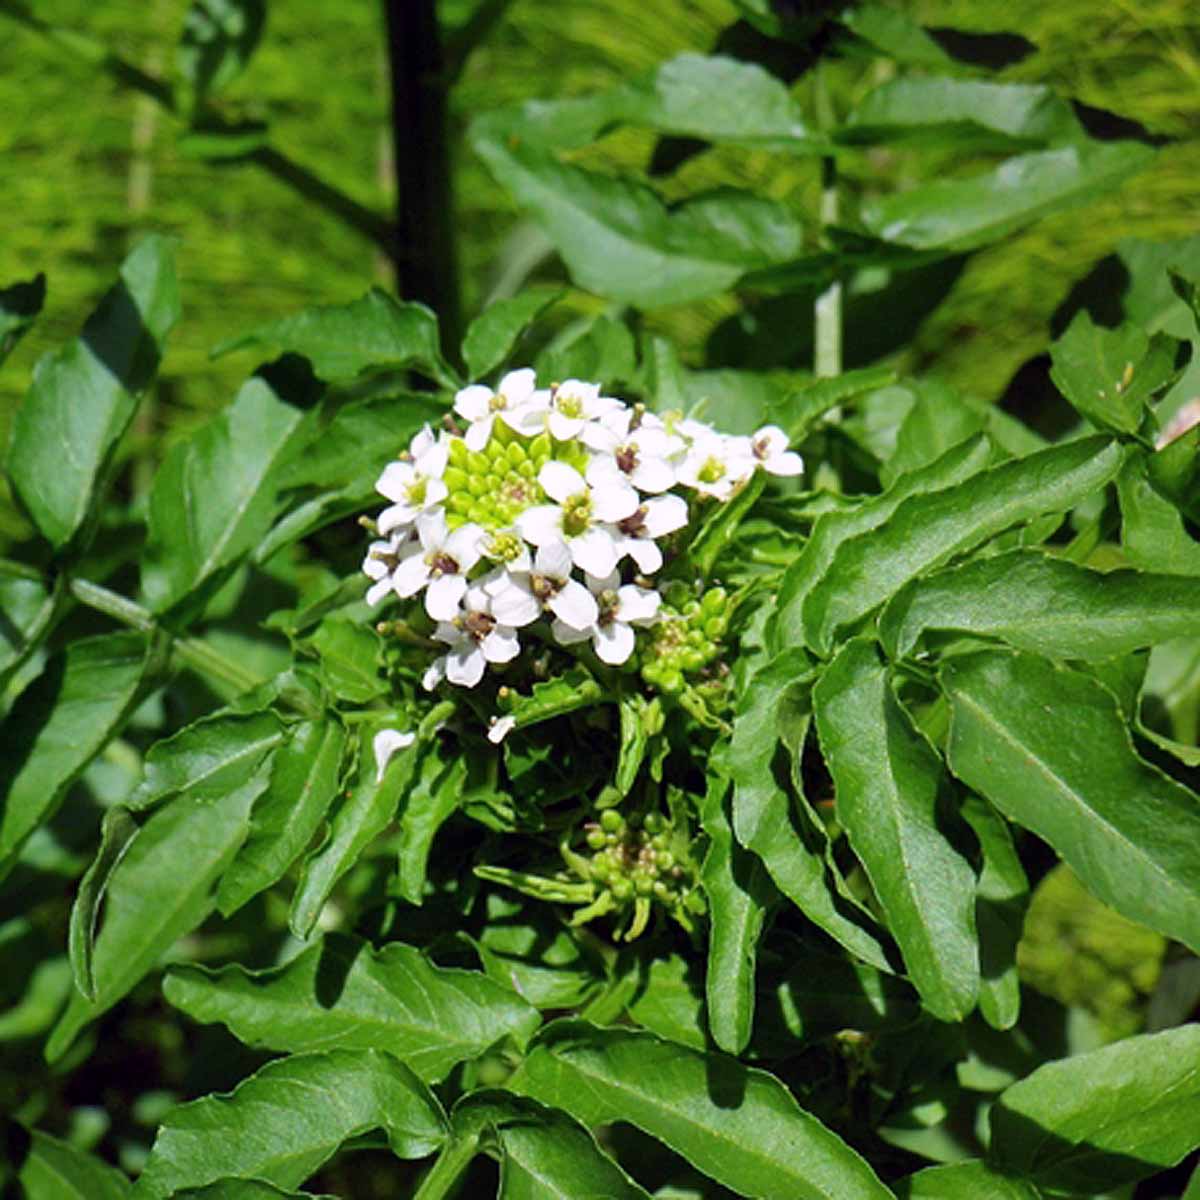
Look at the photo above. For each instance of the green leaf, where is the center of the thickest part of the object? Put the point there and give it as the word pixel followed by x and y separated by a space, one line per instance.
pixel 819 396
pixel 160 889
pixel 305 772
pixel 341 992
pixel 927 530
pixel 439 790
pixel 786 627
pixel 895 35
pixel 85 695
pixel 1046 605
pixel 887 778
pixel 791 843
pixel 215 495
pixel 739 892
pixel 714 536
pixel 592 347
pixel 219 37
pixel 1049 747
pixel 969 113
pixel 970 1180
pixel 351 659
pixel 493 334
pixel 546 1154
pixel 620 240
pixel 938 420
pixel 283 1122
pixel 1153 535
pixel 245 1189
pixel 83 396
pixel 207 759
pixel 667 998
pixel 960 214
pixel 740 1126
pixel 29 609
pixel 342 341
pixel 1110 375
pixel 365 812
pixel 1003 896
pixel 20 304
pixel 51 1169
pixel 575 688
pixel 1095 1121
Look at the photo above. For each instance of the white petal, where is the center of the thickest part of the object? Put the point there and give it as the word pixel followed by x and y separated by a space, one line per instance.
pixel 376 568
pixel 652 474
pixel 422 442
pixel 604 583
pixel 385 743
pixel 600 438
pixel 395 481
pixel 614 643
pixel 769 441
pixel 564 635
pixel 431 529
pixel 377 591
pixel 665 514
pixel 575 605
pixel 479 432
pixel 637 604
pixel 435 492
pixel 432 462
pixel 553 559
pixel 540 524
pixel 473 402
pixel 562 427
pixel 501 645
pixel 577 389
pixel 787 463
pixel 463 545
pixel 517 386
pixel 396 516
pixel 614 501
pixel 643 552
pixel 516 606
pixel 449 633
pixel 500 729
pixel 529 419
pixel 559 481
pixel 465 665
pixel 443 596
pixel 411 575
pixel 434 675
pixel 594 551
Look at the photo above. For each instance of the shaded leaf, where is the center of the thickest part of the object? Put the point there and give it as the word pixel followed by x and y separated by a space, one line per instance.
pixel 273 1128
pixel 55 1170
pixel 219 37
pixel 886 778
pixel 20 304
pixel 83 396
pixel 1153 535
pixel 970 1180
pixel 493 335
pixel 1050 748
pixel 740 1126
pixel 894 34
pixel 244 1189
pixel 341 992
pixel 1095 1121
pixel 27 611
pixel 350 656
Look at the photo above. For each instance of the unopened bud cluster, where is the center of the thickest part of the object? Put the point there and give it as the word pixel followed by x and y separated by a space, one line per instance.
pixel 687 639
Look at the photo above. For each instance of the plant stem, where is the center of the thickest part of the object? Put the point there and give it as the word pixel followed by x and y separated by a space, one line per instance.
pixel 827 337
pixel 454 1159
pixel 191 652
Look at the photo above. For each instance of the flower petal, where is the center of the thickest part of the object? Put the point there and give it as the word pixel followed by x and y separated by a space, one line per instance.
pixel 564 635
pixel 614 643
pixel 443 596
pixel 395 481
pixel 553 560
pixel 575 605
pixel 465 665
pixel 479 433
pixel 434 674
pixel 787 463
pixel 501 727
pixel 396 516
pixel 411 575
pixel 386 743
pixel 464 545
pixel 515 606
pixel 541 524
pixel 501 645
pixel 652 474
pixel 518 386
pixel 473 402
pixel 665 514
pixel 594 551
pixel 637 604
pixel 377 591
pixel 614 501
pixel 559 481
pixel 644 552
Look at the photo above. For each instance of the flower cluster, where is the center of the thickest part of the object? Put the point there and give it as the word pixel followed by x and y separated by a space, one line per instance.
pixel 547 506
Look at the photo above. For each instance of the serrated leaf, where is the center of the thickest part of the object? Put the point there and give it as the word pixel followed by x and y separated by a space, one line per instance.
pixel 367 809
pixel 546 1154
pixel 970 1180
pixel 786 627
pixel 159 890
pixel 288 1118
pixel 1003 897
pixel 350 656
pixel 972 114
pixel 886 779
pixel 575 688
pixel 493 334
pixel 740 1126
pixel 739 893
pixel 219 37
pixel 819 396
pixel 791 844
pixel 1050 748
pixel 85 695
pixel 1109 375
pixel 50 1169
pixel 341 992
pixel 83 396
pixel 342 341
pixel 206 759
pixel 927 530
pixel 619 239
pixel 436 794
pixel 1153 535
pixel 1045 605
pixel 305 772
pixel 1095 1121
pixel 960 214
pixel 20 304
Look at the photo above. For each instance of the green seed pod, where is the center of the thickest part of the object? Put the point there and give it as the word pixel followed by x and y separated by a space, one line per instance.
pixel 611 820
pixel 622 888
pixel 653 822
pixel 714 600
pixel 672 681
pixel 595 839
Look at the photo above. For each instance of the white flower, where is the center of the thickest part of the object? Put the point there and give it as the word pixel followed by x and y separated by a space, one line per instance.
pixel 769 448
pixel 505 546
pixel 580 519
pixel 639 456
pixel 653 518
pixel 415 486
pixel 620 608
pixel 519 599
pixel 573 405
pixel 501 727
pixel 717 465
pixel 475 639
pixel 441 561
pixel 385 743
pixel 382 559
pixel 515 401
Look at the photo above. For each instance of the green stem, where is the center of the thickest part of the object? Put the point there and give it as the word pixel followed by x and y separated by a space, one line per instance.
pixel 454 1159
pixel 191 652
pixel 828 309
